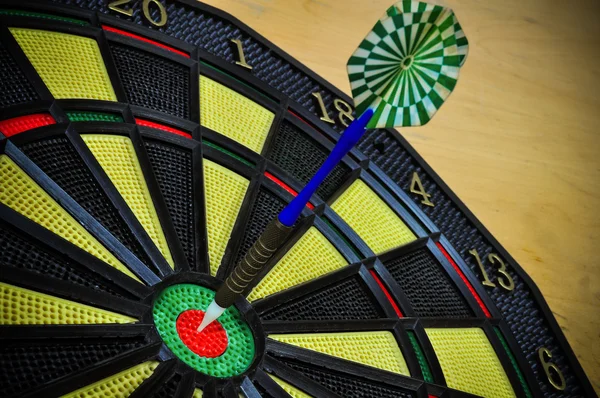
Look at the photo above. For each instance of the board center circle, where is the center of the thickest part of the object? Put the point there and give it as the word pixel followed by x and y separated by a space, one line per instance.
pixel 226 348
pixel 210 343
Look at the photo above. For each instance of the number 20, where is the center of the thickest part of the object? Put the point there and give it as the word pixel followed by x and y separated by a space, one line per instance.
pixel 117 6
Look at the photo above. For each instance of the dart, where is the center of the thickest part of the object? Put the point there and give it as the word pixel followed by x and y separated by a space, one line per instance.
pixel 398 78
pixel 280 228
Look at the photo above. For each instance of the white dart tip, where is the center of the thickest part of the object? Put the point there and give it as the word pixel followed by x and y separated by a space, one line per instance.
pixel 213 311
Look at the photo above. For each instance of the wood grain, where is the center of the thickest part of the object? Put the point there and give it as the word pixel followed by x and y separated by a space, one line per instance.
pixel 518 140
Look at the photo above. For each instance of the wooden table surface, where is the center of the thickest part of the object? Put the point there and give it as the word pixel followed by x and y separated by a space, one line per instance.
pixel 518 140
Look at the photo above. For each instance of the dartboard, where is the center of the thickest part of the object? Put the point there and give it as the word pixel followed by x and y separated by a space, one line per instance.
pixel 145 145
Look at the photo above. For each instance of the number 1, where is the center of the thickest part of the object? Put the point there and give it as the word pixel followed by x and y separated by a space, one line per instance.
pixel 486 278
pixel 241 56
pixel 325 116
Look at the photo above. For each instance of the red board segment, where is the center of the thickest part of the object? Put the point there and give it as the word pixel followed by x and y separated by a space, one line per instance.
pixel 145 40
pixel 16 125
pixel 209 343
pixel 387 293
pixel 158 126
pixel 300 117
pixel 286 187
pixel 465 280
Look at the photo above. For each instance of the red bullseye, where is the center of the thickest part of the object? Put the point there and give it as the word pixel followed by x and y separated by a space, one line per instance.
pixel 210 343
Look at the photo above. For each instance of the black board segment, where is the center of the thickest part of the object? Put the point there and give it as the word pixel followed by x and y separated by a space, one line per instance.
pixel 14 87
pixel 153 82
pixel 57 157
pixel 427 287
pixel 174 173
pixel 342 300
pixel 298 154
pixel 26 365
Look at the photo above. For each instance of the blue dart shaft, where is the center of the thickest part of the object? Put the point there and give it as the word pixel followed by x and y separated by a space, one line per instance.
pixel 349 138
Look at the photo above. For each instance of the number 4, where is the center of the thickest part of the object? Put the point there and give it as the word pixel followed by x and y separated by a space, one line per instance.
pixel 416 186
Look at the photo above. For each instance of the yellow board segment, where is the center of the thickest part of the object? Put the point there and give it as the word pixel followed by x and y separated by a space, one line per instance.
pixel 230 113
pixel 312 256
pixel 224 193
pixel 117 157
pixel 376 349
pixel 19 192
pixel 371 218
pixel 290 389
pixel 120 385
pixel 71 66
pixel 469 362
pixel 197 393
pixel 20 306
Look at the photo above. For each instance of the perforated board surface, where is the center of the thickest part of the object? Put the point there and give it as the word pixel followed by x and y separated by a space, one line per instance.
pixel 190 212
pixel 177 189
pixel 153 82
pixel 57 157
pixel 27 307
pixel 15 88
pixel 373 220
pixel 233 115
pixel 314 251
pixel 224 194
pixel 21 193
pixel 377 349
pixel 469 362
pixel 288 388
pixel 20 362
pixel 346 386
pixel 118 158
pixel 119 385
pixel 80 72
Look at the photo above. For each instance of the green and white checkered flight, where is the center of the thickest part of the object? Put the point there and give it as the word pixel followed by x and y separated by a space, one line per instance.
pixel 408 64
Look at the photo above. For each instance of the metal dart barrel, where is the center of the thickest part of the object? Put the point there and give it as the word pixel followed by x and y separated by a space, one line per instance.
pixel 253 262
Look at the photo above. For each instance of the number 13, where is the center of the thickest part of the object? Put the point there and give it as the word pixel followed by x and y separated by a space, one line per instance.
pixel 505 280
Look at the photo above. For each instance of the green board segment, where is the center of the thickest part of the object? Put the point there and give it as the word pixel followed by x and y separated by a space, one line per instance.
pixel 225 151
pixel 420 357
pixel 342 237
pixel 31 14
pixel 84 116
pixel 513 361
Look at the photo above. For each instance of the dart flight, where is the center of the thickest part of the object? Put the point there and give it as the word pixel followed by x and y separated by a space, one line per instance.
pixel 408 64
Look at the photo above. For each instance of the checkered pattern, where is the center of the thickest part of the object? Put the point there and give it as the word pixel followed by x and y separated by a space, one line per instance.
pixel 413 6
pixel 407 65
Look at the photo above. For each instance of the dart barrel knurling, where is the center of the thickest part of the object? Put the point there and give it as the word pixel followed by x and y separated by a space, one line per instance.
pixel 253 262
